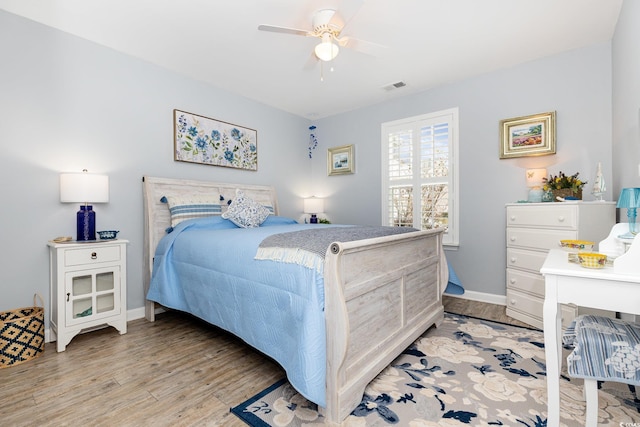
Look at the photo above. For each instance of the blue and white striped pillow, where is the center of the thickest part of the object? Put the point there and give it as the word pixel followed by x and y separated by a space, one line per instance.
pixel 182 208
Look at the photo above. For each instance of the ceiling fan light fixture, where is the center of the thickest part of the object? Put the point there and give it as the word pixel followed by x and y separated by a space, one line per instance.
pixel 326 50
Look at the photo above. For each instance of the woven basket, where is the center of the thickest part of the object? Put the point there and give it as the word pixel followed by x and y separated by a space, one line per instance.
pixel 21 334
pixel 566 192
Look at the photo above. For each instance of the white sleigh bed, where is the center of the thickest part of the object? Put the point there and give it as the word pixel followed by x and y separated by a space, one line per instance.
pixel 380 294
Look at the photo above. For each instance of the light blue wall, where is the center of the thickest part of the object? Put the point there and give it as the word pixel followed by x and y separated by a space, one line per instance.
pixel 68 104
pixel 626 98
pixel 577 85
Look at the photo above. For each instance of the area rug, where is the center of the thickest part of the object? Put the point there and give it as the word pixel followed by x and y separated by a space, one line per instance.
pixel 467 372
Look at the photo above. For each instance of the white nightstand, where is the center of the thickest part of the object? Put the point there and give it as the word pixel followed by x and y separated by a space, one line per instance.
pixel 88 285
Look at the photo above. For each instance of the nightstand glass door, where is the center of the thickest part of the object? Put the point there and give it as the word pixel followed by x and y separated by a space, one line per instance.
pixel 92 294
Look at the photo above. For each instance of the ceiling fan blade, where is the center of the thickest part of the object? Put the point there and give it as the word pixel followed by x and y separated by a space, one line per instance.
pixel 362 46
pixel 284 30
pixel 348 11
pixel 312 62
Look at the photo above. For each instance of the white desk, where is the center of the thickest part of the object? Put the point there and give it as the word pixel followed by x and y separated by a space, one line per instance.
pixel 567 282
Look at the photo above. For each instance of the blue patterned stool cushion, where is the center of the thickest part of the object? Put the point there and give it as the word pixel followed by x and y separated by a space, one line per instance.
pixel 604 349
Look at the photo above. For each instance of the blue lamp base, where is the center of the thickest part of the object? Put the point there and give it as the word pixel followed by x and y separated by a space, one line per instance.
pixel 633 225
pixel 86 224
pixel 535 195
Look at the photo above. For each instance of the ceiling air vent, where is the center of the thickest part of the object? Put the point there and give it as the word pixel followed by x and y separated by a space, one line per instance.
pixel 392 86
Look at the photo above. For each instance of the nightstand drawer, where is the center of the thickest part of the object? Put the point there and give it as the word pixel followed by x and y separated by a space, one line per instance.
pixel 556 215
pixel 537 239
pixel 92 255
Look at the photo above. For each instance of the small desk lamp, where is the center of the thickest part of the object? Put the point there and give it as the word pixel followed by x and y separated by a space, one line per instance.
pixel 534 181
pixel 313 206
pixel 630 199
pixel 84 188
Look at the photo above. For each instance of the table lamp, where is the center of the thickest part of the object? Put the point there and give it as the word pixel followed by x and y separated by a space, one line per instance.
pixel 313 206
pixel 84 188
pixel 630 199
pixel 534 182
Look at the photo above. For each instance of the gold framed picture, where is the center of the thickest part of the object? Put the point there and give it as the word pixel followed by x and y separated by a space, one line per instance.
pixel 341 160
pixel 533 135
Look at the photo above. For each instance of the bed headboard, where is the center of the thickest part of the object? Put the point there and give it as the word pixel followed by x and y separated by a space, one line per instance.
pixel 157 218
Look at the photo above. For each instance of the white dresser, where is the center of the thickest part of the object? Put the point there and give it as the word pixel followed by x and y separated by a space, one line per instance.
pixel 533 229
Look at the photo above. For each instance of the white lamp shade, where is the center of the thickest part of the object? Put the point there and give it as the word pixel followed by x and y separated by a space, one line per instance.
pixel 534 177
pixel 326 50
pixel 313 205
pixel 84 188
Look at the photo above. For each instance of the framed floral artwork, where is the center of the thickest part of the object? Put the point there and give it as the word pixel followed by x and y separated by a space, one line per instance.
pixel 533 135
pixel 340 160
pixel 199 139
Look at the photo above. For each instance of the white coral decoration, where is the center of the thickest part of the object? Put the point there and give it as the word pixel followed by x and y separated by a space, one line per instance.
pixel 625 359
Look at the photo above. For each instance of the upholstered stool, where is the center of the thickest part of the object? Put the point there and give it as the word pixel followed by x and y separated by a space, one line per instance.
pixel 604 349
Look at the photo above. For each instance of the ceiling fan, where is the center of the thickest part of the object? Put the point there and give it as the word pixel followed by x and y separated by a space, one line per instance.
pixel 327 26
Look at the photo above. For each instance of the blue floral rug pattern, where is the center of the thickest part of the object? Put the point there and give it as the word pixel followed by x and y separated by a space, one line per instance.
pixel 467 372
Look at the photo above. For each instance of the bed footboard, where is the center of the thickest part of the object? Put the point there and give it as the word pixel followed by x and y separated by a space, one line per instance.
pixel 381 294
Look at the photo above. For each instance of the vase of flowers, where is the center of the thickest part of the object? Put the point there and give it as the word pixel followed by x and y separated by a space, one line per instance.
pixel 564 186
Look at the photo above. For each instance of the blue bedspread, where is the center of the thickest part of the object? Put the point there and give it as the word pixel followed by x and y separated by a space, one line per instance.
pixel 206 267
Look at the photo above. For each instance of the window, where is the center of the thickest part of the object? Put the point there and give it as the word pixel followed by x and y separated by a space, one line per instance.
pixel 419 173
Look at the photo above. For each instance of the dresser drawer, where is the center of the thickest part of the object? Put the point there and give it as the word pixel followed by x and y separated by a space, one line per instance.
pixel 525 282
pixel 553 215
pixel 537 239
pixel 525 303
pixel 526 260
pixel 93 255
pixel 528 308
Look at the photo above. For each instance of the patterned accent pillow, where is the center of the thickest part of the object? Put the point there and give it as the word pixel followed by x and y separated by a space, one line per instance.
pixel 245 212
pixel 182 208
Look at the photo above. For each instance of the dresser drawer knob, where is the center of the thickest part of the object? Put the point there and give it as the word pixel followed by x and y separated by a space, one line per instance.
pixel 512 218
pixel 94 255
pixel 512 238
pixel 513 260
pixel 512 302
pixel 560 219
pixel 513 281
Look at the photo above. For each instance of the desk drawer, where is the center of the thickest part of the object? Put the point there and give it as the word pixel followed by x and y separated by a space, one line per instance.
pixel 93 255
pixel 554 215
pixel 537 239
pixel 526 260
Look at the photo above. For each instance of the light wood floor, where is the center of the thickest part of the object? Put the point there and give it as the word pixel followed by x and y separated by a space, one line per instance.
pixel 177 371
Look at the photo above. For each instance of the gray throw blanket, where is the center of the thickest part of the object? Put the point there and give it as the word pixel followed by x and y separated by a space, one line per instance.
pixel 308 247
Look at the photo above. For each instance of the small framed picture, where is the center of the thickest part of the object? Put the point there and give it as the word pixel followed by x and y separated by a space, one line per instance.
pixel 341 160
pixel 528 136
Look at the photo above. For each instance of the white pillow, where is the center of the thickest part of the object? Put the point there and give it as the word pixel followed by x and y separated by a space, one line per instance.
pixel 245 212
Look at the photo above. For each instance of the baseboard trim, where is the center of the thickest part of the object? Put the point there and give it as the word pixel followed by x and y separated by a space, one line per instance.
pixel 482 297
pixel 135 314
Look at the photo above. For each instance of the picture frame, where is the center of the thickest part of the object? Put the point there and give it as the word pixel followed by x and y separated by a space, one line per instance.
pixel 207 141
pixel 341 160
pixel 524 136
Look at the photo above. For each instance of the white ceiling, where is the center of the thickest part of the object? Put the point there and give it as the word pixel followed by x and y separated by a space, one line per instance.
pixel 426 43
